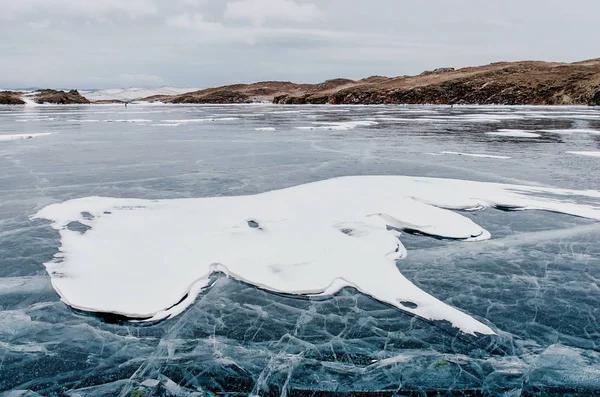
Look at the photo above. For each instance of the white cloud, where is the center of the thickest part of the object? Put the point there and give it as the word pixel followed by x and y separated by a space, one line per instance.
pixel 227 33
pixel 195 22
pixel 212 31
pixel 192 3
pixel 96 9
pixel 39 25
pixel 258 12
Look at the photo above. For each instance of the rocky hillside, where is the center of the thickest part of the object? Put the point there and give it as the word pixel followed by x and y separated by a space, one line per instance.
pixel 505 83
pixel 43 96
pixel 60 97
pixel 10 98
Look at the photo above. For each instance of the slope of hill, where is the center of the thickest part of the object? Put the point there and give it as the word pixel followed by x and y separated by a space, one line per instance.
pixel 42 96
pixel 507 83
pixel 131 94
pixel 59 97
pixel 503 83
pixel 11 98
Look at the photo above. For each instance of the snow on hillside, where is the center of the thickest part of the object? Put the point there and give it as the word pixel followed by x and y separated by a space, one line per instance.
pixel 130 94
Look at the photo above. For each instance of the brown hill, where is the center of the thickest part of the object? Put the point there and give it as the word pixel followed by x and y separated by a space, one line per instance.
pixel 506 83
pixel 10 98
pixel 108 102
pixel 60 97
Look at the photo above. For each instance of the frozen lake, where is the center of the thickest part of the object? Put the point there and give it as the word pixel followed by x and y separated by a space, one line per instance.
pixel 535 282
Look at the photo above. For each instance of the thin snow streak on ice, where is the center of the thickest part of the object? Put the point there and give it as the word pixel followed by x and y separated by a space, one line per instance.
pixel 514 134
pixel 574 131
pixel 339 126
pixel 488 156
pixel 201 120
pixel 587 154
pixel 150 259
pixel 16 137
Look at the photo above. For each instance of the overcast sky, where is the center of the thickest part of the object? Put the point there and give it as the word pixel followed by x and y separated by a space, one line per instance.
pixel 200 43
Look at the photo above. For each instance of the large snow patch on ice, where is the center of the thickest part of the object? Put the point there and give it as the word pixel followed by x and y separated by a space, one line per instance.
pixel 149 259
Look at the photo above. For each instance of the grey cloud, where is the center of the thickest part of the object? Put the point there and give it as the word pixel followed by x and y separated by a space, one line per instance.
pixel 78 8
pixel 260 11
pixel 75 43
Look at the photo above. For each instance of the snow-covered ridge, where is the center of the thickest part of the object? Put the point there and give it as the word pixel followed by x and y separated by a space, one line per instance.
pixel 130 94
pixel 149 259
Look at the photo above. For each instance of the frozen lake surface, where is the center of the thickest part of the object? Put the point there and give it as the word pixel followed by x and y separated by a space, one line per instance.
pixel 535 282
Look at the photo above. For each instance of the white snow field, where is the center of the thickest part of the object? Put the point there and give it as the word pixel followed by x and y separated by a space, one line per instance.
pixel 149 259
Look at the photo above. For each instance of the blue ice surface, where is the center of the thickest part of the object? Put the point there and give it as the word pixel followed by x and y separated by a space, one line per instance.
pixel 536 282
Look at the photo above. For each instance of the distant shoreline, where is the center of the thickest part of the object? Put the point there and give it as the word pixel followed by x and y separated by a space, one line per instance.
pixel 503 83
